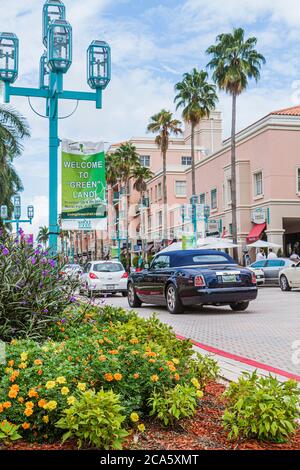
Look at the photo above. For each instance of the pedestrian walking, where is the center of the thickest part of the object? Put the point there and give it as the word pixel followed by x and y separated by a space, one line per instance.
pixel 260 256
pixel 271 254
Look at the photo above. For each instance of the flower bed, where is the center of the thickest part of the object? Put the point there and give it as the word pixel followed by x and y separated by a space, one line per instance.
pixel 106 378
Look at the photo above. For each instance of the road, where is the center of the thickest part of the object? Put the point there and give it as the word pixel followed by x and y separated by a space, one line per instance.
pixel 266 332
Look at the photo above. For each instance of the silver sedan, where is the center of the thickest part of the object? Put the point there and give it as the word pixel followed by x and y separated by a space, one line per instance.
pixel 272 268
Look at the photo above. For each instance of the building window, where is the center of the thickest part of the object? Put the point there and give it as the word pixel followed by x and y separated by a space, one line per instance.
pixel 202 198
pixel 159 219
pixel 149 222
pixel 258 184
pixel 159 190
pixel 298 180
pixel 155 192
pixel 186 161
pixel 145 160
pixel 230 229
pixel 180 188
pixel 213 199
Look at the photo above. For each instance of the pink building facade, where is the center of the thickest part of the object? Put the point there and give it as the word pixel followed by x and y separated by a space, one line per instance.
pixel 268 182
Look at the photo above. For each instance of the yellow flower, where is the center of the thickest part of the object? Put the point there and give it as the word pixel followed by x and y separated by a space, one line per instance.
pixel 152 360
pixel 11 363
pixel 195 382
pixel 81 386
pixel 29 404
pixel 46 419
pixel 61 380
pixel 6 404
pixel 1 408
pixel 64 391
pixel 199 393
pixel 28 412
pixel 102 358
pixel 108 377
pixel 9 370
pixel 154 378
pixel 172 368
pixel 134 341
pixel 50 384
pixel 177 377
pixel 25 425
pixel 38 362
pixel 24 356
pixel 134 352
pixel 71 400
pixel 12 394
pixel 141 427
pixel 176 361
pixel 118 377
pixel 134 417
pixel 21 400
pixel 51 405
pixel 42 403
pixel 136 376
pixel 23 365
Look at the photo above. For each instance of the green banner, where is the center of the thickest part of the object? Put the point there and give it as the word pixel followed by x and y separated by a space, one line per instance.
pixel 83 181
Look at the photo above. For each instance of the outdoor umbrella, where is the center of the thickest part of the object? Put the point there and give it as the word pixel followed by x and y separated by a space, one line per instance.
pixel 216 243
pixel 263 244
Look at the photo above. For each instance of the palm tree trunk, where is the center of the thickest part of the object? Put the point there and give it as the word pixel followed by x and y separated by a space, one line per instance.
pixel 233 176
pixel 165 200
pixel 142 225
pixel 193 159
pixel 127 227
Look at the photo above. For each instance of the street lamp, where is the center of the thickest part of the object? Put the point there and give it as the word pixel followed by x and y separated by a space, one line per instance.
pixel 59 52
pixel 17 214
pixel 52 10
pixel 9 57
pixel 30 212
pixel 56 61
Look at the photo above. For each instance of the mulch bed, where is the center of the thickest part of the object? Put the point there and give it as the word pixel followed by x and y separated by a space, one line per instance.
pixel 203 432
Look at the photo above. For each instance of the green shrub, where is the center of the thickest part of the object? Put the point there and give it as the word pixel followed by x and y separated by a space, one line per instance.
pixel 174 404
pixel 32 294
pixel 9 432
pixel 262 408
pixel 95 419
pixel 204 368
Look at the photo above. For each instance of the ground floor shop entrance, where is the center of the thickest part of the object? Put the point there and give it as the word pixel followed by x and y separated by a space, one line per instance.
pixel 291 238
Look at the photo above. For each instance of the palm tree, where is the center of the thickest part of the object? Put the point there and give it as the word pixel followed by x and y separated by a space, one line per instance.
pixel 234 61
pixel 142 175
pixel 43 235
pixel 13 128
pixel 126 160
pixel 164 125
pixel 198 98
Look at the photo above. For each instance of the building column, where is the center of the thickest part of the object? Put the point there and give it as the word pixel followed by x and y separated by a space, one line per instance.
pixel 276 236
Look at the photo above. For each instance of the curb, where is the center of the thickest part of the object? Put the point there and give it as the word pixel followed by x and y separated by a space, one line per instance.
pixel 232 365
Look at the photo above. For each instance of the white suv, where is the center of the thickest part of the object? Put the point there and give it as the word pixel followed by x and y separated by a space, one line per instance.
pixel 104 277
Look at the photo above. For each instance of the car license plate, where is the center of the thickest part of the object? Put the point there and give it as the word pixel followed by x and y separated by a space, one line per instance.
pixel 229 278
pixel 110 287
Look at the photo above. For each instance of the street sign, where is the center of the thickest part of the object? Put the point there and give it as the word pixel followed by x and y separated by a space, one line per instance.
pixel 4 212
pixel 259 215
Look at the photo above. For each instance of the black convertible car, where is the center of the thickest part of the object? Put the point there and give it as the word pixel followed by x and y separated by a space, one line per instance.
pixel 192 277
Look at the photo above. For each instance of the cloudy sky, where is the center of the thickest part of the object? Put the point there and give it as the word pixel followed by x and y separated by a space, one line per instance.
pixel 153 43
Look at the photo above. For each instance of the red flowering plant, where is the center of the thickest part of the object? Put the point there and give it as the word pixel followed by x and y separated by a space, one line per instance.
pixel 32 293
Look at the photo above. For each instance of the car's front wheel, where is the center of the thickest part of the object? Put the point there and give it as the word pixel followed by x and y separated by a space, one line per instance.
pixel 284 284
pixel 124 294
pixel 133 300
pixel 239 306
pixel 173 301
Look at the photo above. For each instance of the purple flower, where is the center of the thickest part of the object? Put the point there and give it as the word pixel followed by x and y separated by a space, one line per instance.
pixel 72 299
pixel 44 273
pixel 41 285
pixel 44 261
pixel 21 231
pixel 37 252
pixel 5 251
pixel 63 320
pixel 52 263
pixel 33 260
pixel 45 310
pixel 29 240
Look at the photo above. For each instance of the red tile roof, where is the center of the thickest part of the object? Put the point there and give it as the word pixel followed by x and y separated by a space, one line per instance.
pixel 294 111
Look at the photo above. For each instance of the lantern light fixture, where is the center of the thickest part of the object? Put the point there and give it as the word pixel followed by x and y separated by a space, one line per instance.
pixel 44 71
pixel 9 57
pixel 52 10
pixel 30 212
pixel 59 46
pixel 4 212
pixel 98 65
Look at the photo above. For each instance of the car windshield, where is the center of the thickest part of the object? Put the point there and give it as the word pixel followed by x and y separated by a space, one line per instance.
pixel 108 267
pixel 196 259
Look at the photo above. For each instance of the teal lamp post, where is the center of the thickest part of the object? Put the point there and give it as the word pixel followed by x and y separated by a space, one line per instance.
pixel 54 63
pixel 17 215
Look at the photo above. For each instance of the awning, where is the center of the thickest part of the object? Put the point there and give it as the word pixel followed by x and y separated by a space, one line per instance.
pixel 256 232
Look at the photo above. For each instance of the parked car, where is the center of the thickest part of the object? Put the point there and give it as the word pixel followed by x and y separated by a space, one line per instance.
pixel 289 278
pixel 272 268
pixel 104 277
pixel 71 270
pixel 260 275
pixel 192 277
